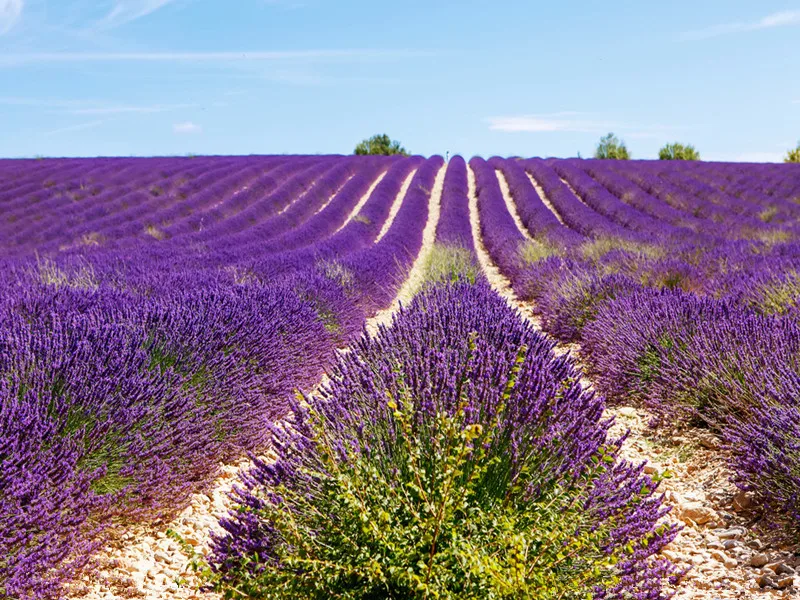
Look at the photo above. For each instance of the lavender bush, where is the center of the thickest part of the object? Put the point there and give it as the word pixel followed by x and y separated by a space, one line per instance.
pixel 452 456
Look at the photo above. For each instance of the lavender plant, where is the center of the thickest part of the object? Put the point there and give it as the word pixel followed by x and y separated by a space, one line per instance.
pixel 454 456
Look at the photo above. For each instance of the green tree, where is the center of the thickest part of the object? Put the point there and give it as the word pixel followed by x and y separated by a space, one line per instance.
pixel 793 156
pixel 611 147
pixel 678 151
pixel 380 144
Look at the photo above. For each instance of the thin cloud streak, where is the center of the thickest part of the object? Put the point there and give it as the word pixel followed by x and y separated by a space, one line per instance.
pixel 90 107
pixel 125 11
pixel 39 103
pixel 205 57
pixel 10 12
pixel 547 123
pixel 78 127
pixel 784 18
pixel 116 110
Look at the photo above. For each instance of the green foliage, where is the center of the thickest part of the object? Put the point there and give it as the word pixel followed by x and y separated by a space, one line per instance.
pixel 380 144
pixel 450 264
pixel 793 156
pixel 678 151
pixel 768 214
pixel 336 271
pixel 49 273
pixel 776 296
pixel 649 364
pixel 594 250
pixel 155 233
pixel 442 524
pixel 610 147
pixel 532 252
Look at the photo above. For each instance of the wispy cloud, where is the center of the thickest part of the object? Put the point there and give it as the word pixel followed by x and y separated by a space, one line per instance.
pixel 38 102
pixel 125 11
pixel 575 122
pixel 778 19
pixel 78 127
pixel 117 110
pixel 10 12
pixel 187 128
pixel 90 107
pixel 207 57
pixel 560 121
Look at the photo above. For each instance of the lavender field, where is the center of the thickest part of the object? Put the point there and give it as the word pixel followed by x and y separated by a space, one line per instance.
pixel 162 318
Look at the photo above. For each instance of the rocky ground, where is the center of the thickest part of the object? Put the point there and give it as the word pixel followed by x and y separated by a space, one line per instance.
pixel 728 559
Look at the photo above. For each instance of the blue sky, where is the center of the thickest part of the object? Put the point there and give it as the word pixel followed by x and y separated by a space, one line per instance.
pixel 165 77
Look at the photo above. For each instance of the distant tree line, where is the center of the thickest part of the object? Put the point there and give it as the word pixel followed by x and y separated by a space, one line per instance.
pixel 610 147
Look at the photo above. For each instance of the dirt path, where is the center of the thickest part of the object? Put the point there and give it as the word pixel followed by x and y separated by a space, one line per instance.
pixel 362 201
pixel 398 202
pixel 415 276
pixel 545 200
pixel 142 561
pixel 728 561
pixel 493 274
pixel 339 189
pixel 512 207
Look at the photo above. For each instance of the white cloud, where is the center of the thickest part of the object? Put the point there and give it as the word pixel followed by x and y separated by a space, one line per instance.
pixel 125 11
pixel 205 57
pixel 187 128
pixel 561 121
pixel 10 12
pixel 779 19
pixel 574 122
pixel 78 127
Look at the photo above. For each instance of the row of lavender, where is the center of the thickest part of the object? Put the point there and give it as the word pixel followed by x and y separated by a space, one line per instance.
pixel 132 366
pixel 681 285
pixel 182 294
pixel 451 455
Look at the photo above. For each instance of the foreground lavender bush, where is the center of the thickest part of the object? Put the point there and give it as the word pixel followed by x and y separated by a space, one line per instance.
pixel 453 456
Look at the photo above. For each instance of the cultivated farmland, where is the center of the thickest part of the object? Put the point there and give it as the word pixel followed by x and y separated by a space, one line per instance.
pixel 406 368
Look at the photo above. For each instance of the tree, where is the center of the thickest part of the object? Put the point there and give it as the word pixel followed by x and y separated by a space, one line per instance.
pixel 678 151
pixel 611 147
pixel 380 144
pixel 793 156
